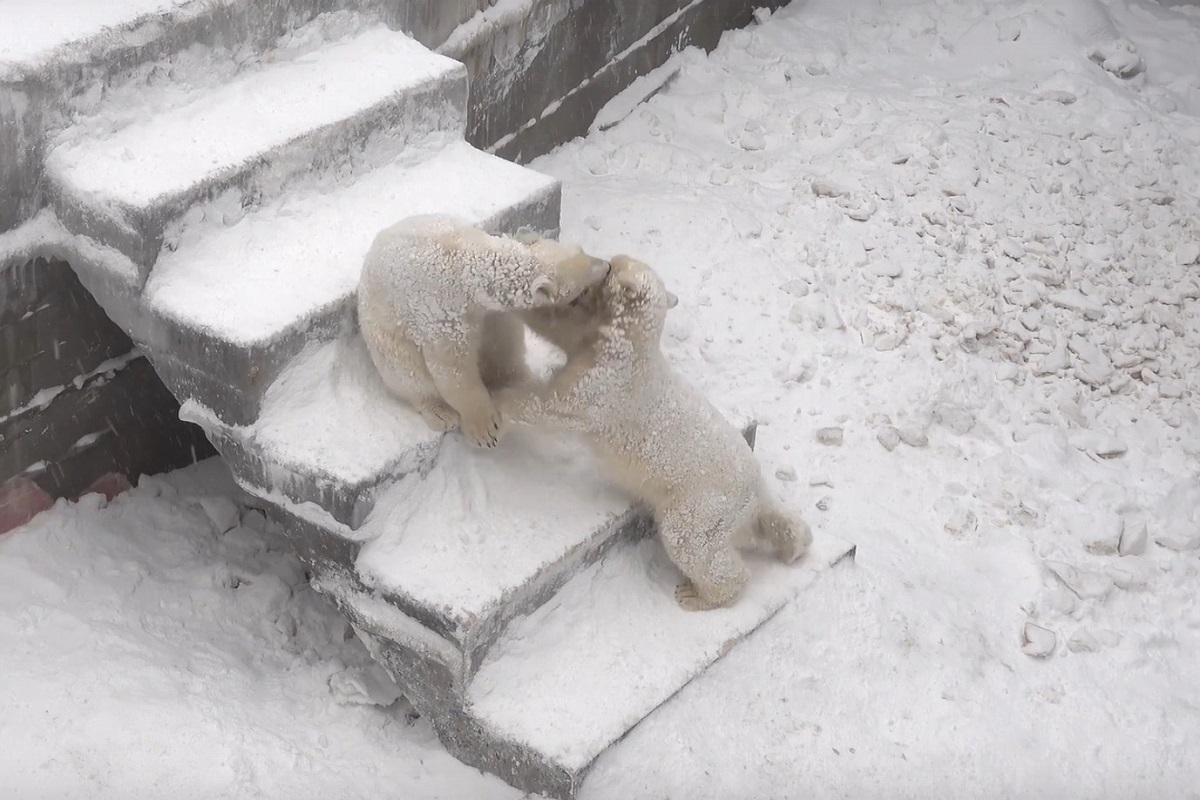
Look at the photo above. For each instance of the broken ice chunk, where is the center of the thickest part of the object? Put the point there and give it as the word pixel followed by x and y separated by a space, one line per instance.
pixel 830 436
pixel 1037 641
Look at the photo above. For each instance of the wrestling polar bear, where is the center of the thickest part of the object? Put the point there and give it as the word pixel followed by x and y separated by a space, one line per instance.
pixel 661 439
pixel 440 306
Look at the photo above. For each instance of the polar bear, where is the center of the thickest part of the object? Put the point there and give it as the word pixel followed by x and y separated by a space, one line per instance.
pixel 661 439
pixel 435 306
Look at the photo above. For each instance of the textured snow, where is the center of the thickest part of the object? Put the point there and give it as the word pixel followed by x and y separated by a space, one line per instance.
pixel 153 648
pixel 572 677
pixel 904 676
pixel 273 269
pixel 1024 201
pixel 33 28
pixel 329 413
pixel 225 127
pixel 482 523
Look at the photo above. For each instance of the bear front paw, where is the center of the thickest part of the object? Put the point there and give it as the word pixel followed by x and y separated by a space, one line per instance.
pixel 689 598
pixel 483 430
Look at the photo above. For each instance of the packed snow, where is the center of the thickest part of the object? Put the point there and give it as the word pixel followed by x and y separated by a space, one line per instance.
pixel 947 253
pixel 167 645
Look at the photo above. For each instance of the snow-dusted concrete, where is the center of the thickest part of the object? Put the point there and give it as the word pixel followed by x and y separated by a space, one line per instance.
pixel 168 645
pixel 239 301
pixel 304 108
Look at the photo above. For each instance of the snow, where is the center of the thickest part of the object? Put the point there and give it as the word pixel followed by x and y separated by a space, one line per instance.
pixel 330 414
pixel 571 678
pixel 499 14
pixel 31 30
pixel 987 641
pixel 305 252
pixel 149 654
pixel 884 220
pixel 484 523
pixel 223 128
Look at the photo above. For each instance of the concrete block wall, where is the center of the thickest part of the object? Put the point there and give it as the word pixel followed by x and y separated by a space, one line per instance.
pixel 539 72
pixel 77 401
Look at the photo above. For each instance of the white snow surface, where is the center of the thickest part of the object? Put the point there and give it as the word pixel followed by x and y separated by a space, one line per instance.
pixel 256 278
pixel 31 29
pixel 166 645
pixel 224 127
pixel 482 523
pixel 569 679
pixel 329 413
pixel 954 232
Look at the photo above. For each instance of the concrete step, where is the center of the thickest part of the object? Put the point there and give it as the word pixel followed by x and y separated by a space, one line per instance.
pixel 567 682
pixel 225 312
pixel 587 664
pixel 448 558
pixel 304 109
pixel 329 436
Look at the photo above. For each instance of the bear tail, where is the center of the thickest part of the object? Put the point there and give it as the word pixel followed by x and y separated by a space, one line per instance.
pixel 788 536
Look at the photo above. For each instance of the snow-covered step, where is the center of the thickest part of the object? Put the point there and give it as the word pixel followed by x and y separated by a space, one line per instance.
pixel 471 542
pixel 232 305
pixel 487 535
pixel 566 682
pixel 329 434
pixel 300 110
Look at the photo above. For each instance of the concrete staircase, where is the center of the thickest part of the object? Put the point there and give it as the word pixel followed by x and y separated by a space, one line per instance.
pixel 511 593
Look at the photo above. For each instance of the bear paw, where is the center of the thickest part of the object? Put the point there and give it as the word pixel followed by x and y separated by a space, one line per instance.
pixel 483 430
pixel 689 598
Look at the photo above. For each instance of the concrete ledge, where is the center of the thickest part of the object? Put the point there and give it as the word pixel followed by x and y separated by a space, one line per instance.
pixel 569 59
pixel 97 179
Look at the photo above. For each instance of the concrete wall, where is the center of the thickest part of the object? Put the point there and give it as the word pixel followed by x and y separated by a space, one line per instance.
pixel 76 402
pixel 540 70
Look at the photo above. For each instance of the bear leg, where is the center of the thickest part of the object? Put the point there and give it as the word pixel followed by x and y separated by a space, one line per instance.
pixel 706 556
pixel 455 371
pixel 402 369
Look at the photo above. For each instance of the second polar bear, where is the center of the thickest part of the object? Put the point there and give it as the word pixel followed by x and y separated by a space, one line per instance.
pixel 435 306
pixel 663 441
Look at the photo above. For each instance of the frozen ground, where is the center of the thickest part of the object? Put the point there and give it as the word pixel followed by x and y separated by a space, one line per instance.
pixel 964 233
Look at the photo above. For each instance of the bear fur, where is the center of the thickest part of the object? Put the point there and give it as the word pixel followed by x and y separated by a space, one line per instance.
pixel 436 305
pixel 662 440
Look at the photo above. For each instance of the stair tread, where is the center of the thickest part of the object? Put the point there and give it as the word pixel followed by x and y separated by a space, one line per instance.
pixel 222 128
pixel 330 414
pixel 250 281
pixel 574 676
pixel 31 34
pixel 484 523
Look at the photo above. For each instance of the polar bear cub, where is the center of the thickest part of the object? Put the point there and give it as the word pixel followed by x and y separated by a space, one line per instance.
pixel 435 306
pixel 663 441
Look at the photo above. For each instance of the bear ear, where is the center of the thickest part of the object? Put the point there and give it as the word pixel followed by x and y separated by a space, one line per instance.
pixel 672 300
pixel 542 289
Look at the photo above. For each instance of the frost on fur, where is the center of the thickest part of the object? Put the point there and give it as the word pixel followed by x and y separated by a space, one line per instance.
pixel 660 438
pixel 435 305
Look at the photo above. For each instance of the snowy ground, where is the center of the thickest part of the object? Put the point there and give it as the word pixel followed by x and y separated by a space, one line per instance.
pixel 964 233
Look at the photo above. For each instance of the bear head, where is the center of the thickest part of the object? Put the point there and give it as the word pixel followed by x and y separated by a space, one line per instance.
pixel 565 271
pixel 636 298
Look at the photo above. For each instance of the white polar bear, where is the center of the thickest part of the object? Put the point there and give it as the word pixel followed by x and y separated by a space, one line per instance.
pixel 435 307
pixel 662 440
